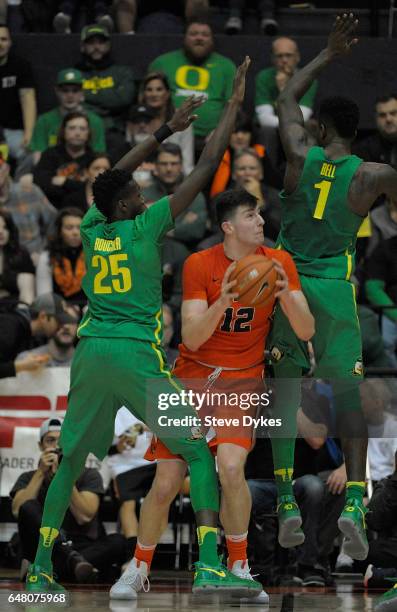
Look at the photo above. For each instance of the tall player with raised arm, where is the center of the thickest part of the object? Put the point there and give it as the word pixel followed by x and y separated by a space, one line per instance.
pixel 327 194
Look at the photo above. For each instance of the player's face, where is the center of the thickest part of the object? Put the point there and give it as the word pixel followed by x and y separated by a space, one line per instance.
pixel 134 202
pixel 285 55
pixel 70 96
pixel 5 42
pixel 77 132
pixel 386 118
pixel 247 224
pixel 198 40
pixel 168 168
pixel 247 167
pixel 70 231
pixel 155 94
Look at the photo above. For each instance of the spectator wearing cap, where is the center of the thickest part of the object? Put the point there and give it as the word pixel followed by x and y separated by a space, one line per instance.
pixel 62 168
pixel 198 70
pixel 69 91
pixel 82 548
pixel 109 88
pixel 17 329
pixel 155 93
pixel 60 348
pixel 17 98
pixel 29 208
pixel 138 128
pixel 61 267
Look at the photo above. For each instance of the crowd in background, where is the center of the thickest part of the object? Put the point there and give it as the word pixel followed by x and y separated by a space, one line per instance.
pixel 48 164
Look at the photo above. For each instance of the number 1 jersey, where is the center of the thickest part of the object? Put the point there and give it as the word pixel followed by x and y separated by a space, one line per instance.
pixel 317 226
pixel 124 274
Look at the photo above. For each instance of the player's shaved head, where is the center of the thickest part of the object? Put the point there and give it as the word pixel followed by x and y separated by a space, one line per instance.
pixel 227 203
pixel 341 115
pixel 110 187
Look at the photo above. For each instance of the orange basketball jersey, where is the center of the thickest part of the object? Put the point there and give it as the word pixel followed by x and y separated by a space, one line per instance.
pixel 239 339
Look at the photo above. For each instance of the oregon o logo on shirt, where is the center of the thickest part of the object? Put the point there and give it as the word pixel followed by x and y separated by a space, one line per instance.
pixel 202 75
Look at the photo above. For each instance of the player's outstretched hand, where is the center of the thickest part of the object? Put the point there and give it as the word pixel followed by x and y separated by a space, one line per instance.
pixel 184 115
pixel 239 81
pixel 342 36
pixel 227 294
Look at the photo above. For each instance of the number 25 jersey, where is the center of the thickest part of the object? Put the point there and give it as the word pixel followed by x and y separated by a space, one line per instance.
pixel 124 273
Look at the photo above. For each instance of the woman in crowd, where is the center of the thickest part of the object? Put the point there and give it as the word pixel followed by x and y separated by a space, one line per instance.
pixel 156 93
pixel 16 266
pixel 83 197
pixel 62 168
pixel 243 138
pixel 61 268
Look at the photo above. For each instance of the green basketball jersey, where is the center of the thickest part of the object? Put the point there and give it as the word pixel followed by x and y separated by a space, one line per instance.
pixel 317 226
pixel 124 273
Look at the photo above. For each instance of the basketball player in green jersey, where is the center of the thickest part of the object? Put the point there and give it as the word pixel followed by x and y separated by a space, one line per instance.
pixel 327 194
pixel 119 360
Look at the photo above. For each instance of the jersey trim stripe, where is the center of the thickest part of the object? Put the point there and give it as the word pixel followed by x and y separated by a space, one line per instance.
pixel 82 326
pixel 163 367
pixel 158 327
pixel 349 265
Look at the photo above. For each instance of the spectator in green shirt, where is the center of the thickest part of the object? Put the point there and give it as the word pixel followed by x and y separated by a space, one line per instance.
pixel 270 82
pixel 69 91
pixel 198 69
pixel 109 88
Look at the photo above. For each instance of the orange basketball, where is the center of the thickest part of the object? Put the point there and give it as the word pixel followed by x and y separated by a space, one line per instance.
pixel 256 280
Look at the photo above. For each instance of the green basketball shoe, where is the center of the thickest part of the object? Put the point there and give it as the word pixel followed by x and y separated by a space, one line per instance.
pixel 218 579
pixel 387 602
pixel 290 533
pixel 38 580
pixel 352 525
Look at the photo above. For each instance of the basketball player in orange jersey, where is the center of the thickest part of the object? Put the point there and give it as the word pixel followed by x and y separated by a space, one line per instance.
pixel 222 341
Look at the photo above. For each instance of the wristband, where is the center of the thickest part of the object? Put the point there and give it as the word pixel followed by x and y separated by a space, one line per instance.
pixel 162 133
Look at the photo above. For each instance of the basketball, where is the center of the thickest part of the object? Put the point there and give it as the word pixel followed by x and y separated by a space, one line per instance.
pixel 256 280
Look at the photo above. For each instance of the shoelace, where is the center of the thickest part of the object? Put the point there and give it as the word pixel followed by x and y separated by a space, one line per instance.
pixel 130 579
pixel 246 573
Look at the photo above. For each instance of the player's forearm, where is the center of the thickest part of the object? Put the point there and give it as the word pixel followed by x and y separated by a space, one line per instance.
pixel 134 158
pixel 300 82
pixel 209 161
pixel 219 141
pixel 296 309
pixel 30 492
pixel 199 328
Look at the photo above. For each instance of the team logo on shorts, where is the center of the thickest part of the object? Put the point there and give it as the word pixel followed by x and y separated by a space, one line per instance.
pixel 276 353
pixel 197 434
pixel 358 368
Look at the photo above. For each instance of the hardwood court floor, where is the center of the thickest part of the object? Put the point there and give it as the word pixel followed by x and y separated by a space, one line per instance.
pixel 172 593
